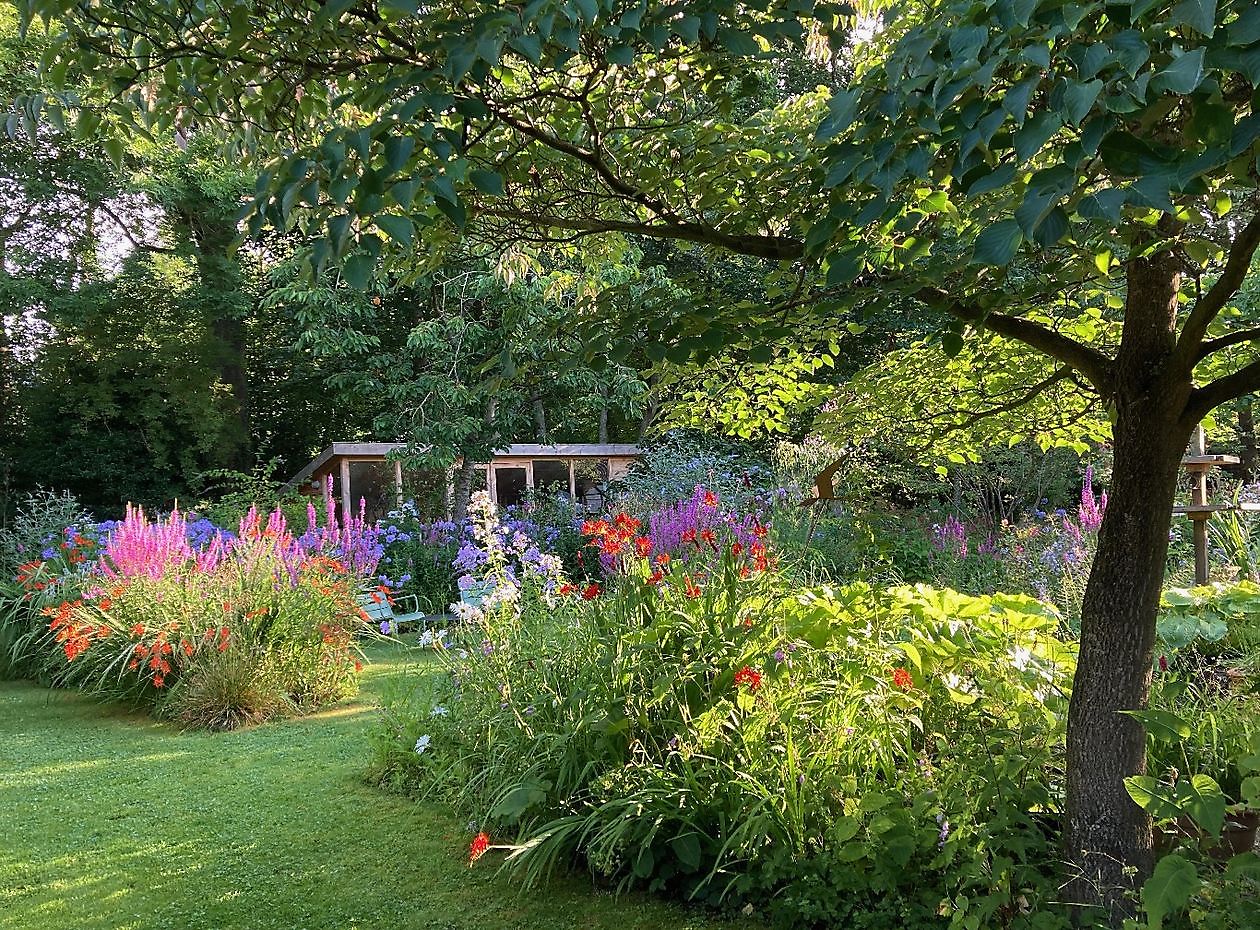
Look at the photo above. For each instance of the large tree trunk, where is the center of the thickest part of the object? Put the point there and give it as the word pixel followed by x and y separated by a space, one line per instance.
pixel 1108 835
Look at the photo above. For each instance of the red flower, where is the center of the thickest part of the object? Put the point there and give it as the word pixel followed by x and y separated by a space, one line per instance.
pixel 708 536
pixel 655 578
pixel 137 630
pixel 690 588
pixel 737 549
pixel 749 677
pixel 901 678
pixel 1163 663
pixel 566 589
pixel 625 522
pixel 760 531
pixel 591 592
pixel 710 499
pixel 480 846
pixel 643 546
pixel 662 558
pixel 159 681
pixel 689 536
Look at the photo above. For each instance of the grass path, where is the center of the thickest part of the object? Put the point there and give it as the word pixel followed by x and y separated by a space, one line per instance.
pixel 110 820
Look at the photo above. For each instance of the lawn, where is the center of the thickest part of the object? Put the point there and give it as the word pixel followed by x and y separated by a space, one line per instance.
pixel 110 820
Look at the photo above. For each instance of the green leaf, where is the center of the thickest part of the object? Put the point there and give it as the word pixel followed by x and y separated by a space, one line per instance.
pixel 115 149
pixel 1169 888
pixel 952 343
pixel 358 271
pixel 998 244
pixel 1153 796
pixel 1201 797
pixel 1162 725
pixel 398 228
pixel 528 45
pixel 397 150
pixel 687 848
pixel 1182 76
pixel 1078 99
pixel 1199 15
pixel 410 7
pixel 488 182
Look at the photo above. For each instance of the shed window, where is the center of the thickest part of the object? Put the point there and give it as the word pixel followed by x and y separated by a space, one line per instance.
pixel 551 476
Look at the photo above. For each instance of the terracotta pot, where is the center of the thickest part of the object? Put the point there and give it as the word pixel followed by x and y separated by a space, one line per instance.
pixel 1238 835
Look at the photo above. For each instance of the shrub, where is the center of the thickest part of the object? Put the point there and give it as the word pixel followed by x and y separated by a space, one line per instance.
pixel 699 726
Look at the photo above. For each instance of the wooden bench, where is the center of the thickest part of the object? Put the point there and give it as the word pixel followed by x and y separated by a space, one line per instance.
pixel 377 608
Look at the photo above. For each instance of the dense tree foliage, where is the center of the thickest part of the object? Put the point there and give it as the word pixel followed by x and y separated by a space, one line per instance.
pixel 1073 178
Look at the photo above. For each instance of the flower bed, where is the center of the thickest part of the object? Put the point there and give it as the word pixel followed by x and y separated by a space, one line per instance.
pixel 211 628
pixel 695 724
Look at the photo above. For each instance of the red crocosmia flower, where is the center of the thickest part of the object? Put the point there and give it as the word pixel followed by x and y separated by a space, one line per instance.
pixel 655 577
pixel 662 558
pixel 137 630
pixel 710 499
pixel 591 592
pixel 643 546
pixel 760 531
pixel 626 522
pixel 480 846
pixel 105 603
pixel 737 549
pixel 566 589
pixel 159 681
pixel 689 536
pixel 901 678
pixel 748 676
pixel 690 588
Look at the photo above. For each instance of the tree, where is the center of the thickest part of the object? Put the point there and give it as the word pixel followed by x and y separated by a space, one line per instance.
pixel 461 363
pixel 987 155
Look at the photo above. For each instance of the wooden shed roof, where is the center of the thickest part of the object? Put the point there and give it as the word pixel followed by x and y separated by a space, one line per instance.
pixel 379 450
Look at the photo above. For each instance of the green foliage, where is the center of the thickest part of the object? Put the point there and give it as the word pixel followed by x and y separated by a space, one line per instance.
pixel 752 743
pixel 674 464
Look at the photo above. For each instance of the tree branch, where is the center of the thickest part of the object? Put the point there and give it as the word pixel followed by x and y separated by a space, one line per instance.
pixel 1204 400
pixel 1094 365
pixel 1224 342
pixel 1213 302
pixel 778 248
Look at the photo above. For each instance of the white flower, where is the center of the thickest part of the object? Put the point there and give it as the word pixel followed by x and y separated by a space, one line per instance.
pixel 439 711
pixel 422 744
pixel 1021 658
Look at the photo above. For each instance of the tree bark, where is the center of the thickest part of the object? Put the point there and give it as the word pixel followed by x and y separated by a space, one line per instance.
pixel 463 489
pixel 1249 452
pixel 603 412
pixel 1108 836
pixel 540 416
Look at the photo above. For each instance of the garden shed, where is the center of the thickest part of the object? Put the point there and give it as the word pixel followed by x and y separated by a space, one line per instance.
pixel 581 471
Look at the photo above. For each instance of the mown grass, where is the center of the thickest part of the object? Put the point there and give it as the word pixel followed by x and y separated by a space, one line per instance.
pixel 111 820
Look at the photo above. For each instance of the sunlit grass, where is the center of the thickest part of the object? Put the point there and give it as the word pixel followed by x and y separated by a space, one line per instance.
pixel 110 820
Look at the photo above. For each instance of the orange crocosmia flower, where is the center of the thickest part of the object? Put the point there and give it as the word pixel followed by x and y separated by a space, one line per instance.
pixel 159 681
pixel 137 630
pixel 662 558
pixel 901 678
pixel 479 847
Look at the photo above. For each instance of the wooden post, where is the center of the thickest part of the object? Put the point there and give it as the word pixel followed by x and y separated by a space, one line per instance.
pixel 398 484
pixel 345 490
pixel 1199 498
